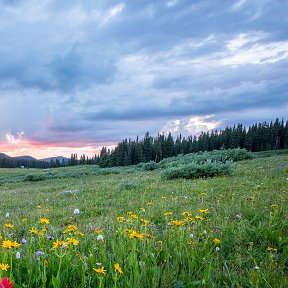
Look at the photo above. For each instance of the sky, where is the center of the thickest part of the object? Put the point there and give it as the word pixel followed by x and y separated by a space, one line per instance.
pixel 78 75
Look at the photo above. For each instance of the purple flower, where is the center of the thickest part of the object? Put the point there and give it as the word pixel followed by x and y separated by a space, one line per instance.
pixel 50 237
pixel 39 253
pixel 23 241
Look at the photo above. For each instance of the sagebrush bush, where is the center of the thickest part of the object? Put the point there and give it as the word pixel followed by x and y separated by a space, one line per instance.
pixel 150 166
pixel 195 170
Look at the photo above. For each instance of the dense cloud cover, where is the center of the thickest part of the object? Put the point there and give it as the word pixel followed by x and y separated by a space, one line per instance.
pixel 90 73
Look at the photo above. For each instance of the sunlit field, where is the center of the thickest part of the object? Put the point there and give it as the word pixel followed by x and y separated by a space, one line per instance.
pixel 125 227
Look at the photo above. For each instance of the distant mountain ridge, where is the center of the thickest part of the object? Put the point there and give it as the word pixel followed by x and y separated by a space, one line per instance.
pixel 30 158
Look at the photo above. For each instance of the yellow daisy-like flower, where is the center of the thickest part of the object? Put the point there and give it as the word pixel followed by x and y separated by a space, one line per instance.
pixel 269 248
pixel 118 268
pixel 129 212
pixel 7 244
pixel 73 241
pixel 120 219
pixel 186 214
pixel 4 267
pixel 204 211
pixel 9 225
pixel 34 231
pixel 100 271
pixel 44 221
pixel 135 234
pixel 216 241
pixel 197 217
pixel 24 219
pixel 80 234
pixel 70 228
pixel 144 222
pixel 168 213
pixel 98 231
pixel 59 243
pixel 177 223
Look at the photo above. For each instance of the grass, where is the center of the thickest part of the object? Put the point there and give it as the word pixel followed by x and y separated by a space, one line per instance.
pixel 228 231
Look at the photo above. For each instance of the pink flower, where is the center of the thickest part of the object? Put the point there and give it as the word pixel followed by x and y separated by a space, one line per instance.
pixel 6 283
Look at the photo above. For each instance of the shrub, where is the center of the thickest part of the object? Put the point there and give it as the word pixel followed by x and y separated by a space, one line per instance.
pixel 150 166
pixel 195 170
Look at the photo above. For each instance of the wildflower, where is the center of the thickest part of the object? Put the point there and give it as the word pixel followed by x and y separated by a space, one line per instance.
pixel 39 253
pixel 98 263
pixel 23 241
pixel 217 248
pixel 98 231
pixel 142 209
pixel 100 271
pixel 4 267
pixel 204 211
pixel 216 241
pixel 163 197
pixel 256 267
pixel 73 241
pixel 50 237
pixel 129 212
pixel 100 237
pixel 144 222
pixel 120 219
pixel 7 215
pixel 80 233
pixel 168 213
pixel 199 217
pixel 59 243
pixel 9 225
pixel 9 244
pixel 34 231
pixel 18 255
pixel 44 221
pixel 135 234
pixel 24 219
pixel 160 242
pixel 186 214
pixel 202 194
pixel 177 222
pixel 274 206
pixel 76 212
pixel 191 236
pixel 70 228
pixel 118 268
pixel 149 203
pixel 238 216
pixel 149 236
pixel 6 283
pixel 269 248
pixel 38 206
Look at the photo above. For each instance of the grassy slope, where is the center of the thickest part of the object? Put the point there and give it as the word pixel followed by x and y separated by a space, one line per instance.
pixel 254 186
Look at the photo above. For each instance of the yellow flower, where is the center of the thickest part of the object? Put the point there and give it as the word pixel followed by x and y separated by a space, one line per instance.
pixel 118 268
pixel 38 206
pixel 80 233
pixel 144 222
pixel 98 231
pixel 135 234
pixel 0 236
pixel 120 219
pixel 149 203
pixel 163 197
pixel 100 270
pixel 216 241
pixel 7 244
pixel 204 211
pixel 274 206
pixel 134 216
pixel 168 213
pixel 202 194
pixel 4 267
pixel 177 222
pixel 129 212
pixel 269 248
pixel 9 225
pixel 160 242
pixel 73 241
pixel 44 221
pixel 24 219
pixel 149 236
pixel 59 243
pixel 70 228
pixel 199 217
pixel 34 231
pixel 187 214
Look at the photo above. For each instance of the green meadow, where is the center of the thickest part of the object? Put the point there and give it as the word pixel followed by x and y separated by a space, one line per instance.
pixel 125 227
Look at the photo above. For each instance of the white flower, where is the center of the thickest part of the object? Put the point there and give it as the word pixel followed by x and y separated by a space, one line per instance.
pixel 76 211
pixel 7 215
pixel 100 237
pixel 18 255
pixel 191 236
pixel 217 248
pixel 256 267
pixel 205 232
pixel 238 216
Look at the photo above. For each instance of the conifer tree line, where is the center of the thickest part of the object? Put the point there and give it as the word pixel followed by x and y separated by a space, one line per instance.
pixel 258 137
